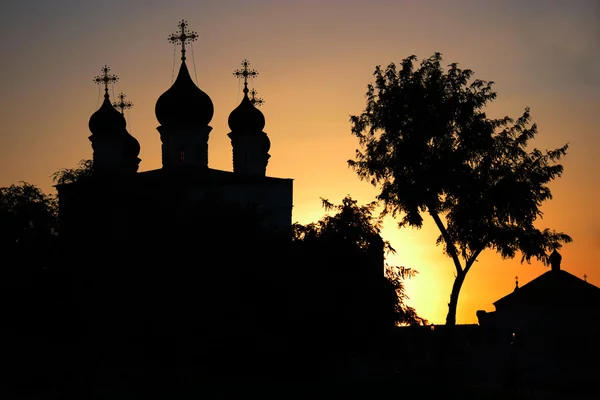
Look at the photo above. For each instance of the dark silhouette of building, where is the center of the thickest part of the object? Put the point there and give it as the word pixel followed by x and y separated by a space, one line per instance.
pixel 171 266
pixel 546 304
pixel 192 270
pixel 547 328
pixel 120 204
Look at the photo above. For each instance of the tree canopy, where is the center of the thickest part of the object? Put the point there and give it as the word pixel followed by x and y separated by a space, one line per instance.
pixel 429 146
pixel 28 220
pixel 71 175
pixel 352 234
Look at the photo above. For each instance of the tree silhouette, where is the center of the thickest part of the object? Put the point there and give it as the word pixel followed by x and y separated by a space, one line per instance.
pixel 28 220
pixel 71 175
pixel 353 231
pixel 430 147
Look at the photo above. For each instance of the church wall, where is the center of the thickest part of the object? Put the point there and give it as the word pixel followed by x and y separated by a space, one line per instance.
pixel 273 199
pixel 96 211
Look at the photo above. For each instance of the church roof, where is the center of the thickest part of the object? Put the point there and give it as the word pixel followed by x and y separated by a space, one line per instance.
pixel 554 284
pixel 206 176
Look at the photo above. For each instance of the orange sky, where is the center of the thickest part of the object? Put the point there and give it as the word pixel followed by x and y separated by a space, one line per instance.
pixel 314 60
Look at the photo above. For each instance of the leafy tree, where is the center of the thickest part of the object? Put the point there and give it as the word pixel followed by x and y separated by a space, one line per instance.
pixel 28 219
pixel 355 232
pixel 405 315
pixel 28 237
pixel 429 146
pixel 71 175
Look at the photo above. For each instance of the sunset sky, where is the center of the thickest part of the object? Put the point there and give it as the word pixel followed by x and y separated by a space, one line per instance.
pixel 314 59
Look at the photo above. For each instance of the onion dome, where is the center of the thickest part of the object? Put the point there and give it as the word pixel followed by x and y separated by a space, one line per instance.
pixel 107 121
pixel 131 147
pixel 184 105
pixel 266 143
pixel 246 117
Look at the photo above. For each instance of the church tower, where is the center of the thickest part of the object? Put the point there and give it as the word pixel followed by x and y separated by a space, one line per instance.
pixel 115 150
pixel 250 144
pixel 184 112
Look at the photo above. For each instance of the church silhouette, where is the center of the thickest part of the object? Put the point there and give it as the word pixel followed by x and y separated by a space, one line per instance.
pixel 121 204
pixel 175 269
pixel 189 271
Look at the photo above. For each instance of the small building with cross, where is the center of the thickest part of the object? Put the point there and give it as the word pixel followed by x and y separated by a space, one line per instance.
pixel 545 302
pixel 550 324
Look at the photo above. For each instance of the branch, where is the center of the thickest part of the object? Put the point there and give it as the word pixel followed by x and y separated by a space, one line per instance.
pixel 449 245
pixel 472 259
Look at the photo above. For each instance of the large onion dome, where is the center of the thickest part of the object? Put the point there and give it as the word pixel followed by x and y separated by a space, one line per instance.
pixel 184 105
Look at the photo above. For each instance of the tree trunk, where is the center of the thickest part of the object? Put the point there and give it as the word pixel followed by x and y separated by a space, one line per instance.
pixel 453 305
pixel 446 340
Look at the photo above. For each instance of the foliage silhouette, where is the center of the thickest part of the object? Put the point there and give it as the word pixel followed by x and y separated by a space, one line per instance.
pixel 71 175
pixel 355 229
pixel 429 146
pixel 28 220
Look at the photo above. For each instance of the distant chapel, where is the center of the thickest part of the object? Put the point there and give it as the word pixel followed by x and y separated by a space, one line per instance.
pixel 118 204
pixel 551 305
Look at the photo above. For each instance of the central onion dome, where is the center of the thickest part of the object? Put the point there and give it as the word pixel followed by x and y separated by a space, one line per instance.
pixel 107 121
pixel 184 105
pixel 246 117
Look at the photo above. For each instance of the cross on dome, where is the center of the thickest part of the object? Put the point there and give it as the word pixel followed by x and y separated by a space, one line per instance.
pixel 105 79
pixel 256 101
pixel 122 104
pixel 182 37
pixel 245 73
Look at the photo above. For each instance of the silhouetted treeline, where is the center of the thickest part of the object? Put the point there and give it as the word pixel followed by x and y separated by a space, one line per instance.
pixel 216 294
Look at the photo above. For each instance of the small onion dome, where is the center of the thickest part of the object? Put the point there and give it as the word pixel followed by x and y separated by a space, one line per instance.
pixel 246 118
pixel 107 121
pixel 184 105
pixel 266 143
pixel 131 147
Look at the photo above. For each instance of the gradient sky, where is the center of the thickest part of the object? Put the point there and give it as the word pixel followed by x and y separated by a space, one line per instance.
pixel 314 60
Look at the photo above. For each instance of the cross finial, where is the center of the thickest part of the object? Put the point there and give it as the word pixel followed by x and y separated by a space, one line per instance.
pixel 256 101
pixel 105 79
pixel 585 277
pixel 122 104
pixel 245 73
pixel 183 36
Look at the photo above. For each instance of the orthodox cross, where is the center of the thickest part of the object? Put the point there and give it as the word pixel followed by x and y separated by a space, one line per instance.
pixel 122 104
pixel 182 37
pixel 585 277
pixel 105 79
pixel 256 101
pixel 245 73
